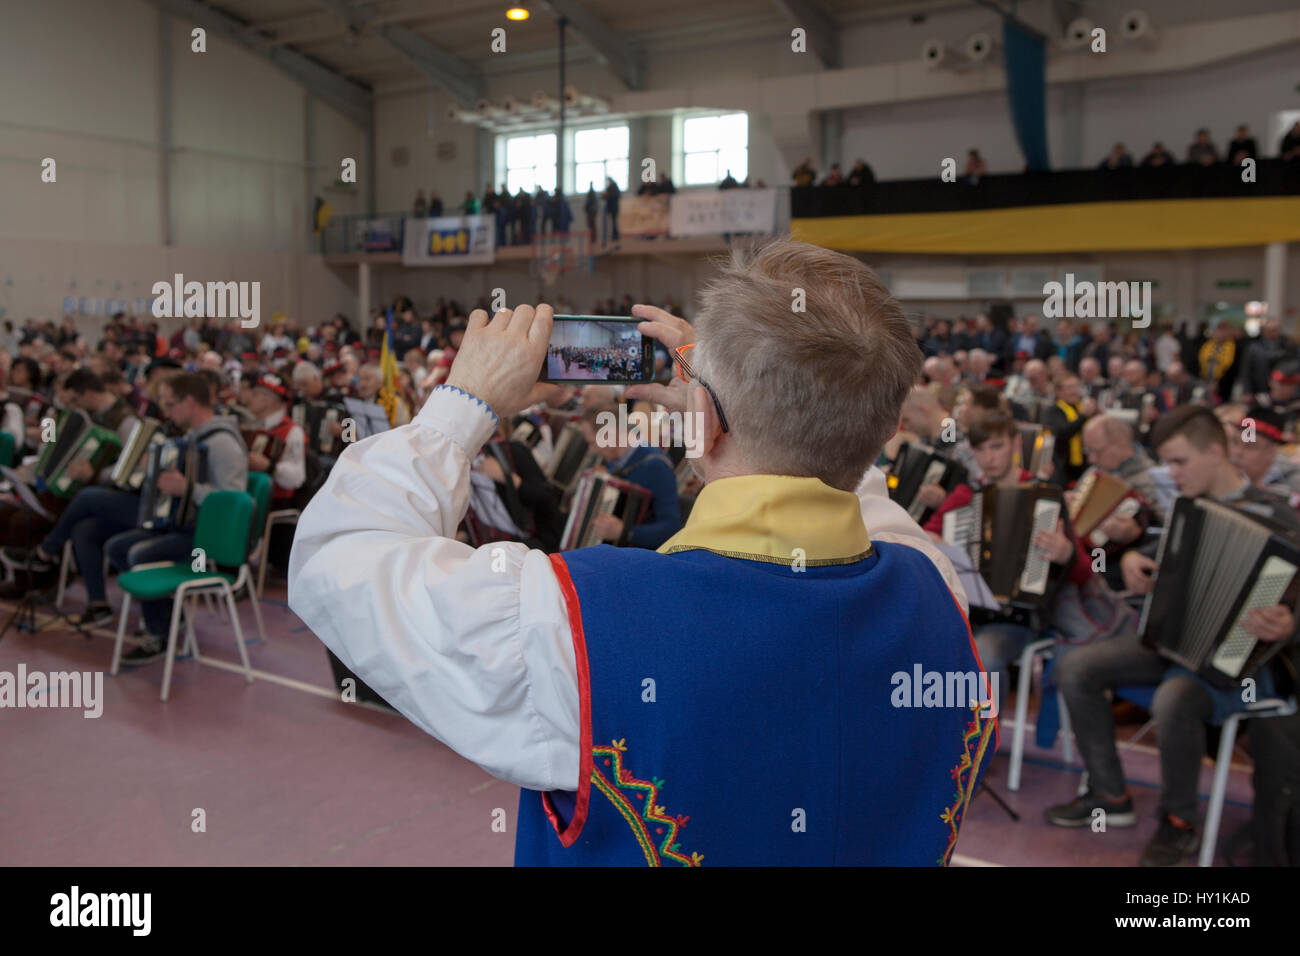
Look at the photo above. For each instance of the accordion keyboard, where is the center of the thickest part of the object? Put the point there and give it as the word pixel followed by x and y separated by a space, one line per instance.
pixel 1273 580
pixel 933 474
pixel 1034 578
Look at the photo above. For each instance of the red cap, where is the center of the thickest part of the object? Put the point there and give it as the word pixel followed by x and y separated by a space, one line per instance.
pixel 1279 376
pixel 1022 355
pixel 332 368
pixel 248 356
pixel 1267 429
pixel 273 383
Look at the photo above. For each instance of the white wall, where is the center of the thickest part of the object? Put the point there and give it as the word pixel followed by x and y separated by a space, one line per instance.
pixel 80 82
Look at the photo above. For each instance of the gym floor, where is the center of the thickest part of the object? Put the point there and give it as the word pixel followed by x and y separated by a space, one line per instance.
pixel 287 774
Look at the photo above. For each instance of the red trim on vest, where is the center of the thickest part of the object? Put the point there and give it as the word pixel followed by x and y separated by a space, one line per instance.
pixel 569 835
pixel 997 723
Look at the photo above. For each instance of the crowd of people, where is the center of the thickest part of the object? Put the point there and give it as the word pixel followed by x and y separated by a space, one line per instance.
pixel 594 363
pixel 1200 152
pixel 1198 412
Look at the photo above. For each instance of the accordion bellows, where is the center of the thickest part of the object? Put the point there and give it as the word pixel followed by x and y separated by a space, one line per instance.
pixel 1217 563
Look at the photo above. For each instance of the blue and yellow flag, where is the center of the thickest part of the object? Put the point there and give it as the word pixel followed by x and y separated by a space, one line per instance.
pixel 388 398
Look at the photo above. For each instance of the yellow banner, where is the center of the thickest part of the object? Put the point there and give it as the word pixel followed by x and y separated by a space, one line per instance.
pixel 1074 227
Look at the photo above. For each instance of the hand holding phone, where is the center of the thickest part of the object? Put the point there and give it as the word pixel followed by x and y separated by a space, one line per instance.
pixel 497 360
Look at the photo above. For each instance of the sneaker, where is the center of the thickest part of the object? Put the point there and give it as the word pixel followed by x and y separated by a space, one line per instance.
pixel 96 615
pixel 1079 812
pixel 1171 845
pixel 28 560
pixel 146 653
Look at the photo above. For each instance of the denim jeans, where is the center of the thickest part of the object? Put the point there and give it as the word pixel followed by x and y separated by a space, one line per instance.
pixel 91 518
pixel 1000 645
pixel 1182 708
pixel 141 546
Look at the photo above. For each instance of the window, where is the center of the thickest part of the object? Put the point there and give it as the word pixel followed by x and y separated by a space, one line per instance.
pixel 713 146
pixel 530 162
pixel 598 153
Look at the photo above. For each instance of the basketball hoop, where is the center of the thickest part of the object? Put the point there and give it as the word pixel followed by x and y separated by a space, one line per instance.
pixel 555 253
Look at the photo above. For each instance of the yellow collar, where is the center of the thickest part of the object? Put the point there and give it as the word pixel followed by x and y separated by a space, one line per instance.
pixel 775 518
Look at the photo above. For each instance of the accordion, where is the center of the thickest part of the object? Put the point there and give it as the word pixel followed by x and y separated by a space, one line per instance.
pixel 315 419
pixel 163 512
pixel 76 439
pixel 128 471
pixel 598 493
pixel 265 443
pixel 1099 496
pixel 1037 446
pixel 918 465
pixel 997 530
pixel 571 456
pixel 1217 563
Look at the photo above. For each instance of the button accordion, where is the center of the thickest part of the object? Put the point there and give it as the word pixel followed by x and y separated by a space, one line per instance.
pixel 76 439
pixel 918 465
pixel 163 512
pixel 265 443
pixel 129 469
pixel 1099 496
pixel 997 530
pixel 571 457
pixel 1037 446
pixel 599 493
pixel 1217 563
pixel 315 419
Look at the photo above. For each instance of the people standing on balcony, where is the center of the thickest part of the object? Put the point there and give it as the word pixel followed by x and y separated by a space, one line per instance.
pixel 1159 156
pixel 861 174
pixel 609 223
pixel 421 208
pixel 833 178
pixel 435 205
pixel 1289 149
pixel 975 168
pixel 804 174
pixel 591 206
pixel 1242 146
pixel 470 206
pixel 1202 151
pixel 1119 158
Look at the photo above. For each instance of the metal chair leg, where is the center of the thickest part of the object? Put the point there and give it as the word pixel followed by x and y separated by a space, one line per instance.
pixel 239 631
pixel 1214 812
pixel 177 603
pixel 121 632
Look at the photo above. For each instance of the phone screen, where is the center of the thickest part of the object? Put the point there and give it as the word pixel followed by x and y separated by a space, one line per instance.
pixel 598 349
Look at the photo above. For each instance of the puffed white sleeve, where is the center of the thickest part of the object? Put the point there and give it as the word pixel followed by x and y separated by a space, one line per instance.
pixel 886 520
pixel 472 645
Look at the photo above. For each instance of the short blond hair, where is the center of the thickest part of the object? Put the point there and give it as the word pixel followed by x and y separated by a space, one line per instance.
pixel 814 393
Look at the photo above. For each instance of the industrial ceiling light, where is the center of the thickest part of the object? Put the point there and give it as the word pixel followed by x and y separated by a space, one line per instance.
pixel 517 13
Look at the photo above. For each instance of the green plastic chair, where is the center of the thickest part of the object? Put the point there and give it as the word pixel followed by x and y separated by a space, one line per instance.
pixel 6 449
pixel 223 533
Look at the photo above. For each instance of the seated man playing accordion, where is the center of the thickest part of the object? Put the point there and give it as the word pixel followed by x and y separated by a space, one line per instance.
pixel 1077 604
pixel 20 526
pixel 103 520
pixel 1191 441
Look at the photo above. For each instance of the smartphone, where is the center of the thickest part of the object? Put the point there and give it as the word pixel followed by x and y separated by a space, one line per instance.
pixel 598 349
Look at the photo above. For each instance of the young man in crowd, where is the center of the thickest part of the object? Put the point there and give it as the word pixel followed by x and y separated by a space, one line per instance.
pixel 1191 441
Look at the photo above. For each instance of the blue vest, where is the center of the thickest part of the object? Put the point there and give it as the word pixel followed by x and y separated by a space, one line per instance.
pixel 751 711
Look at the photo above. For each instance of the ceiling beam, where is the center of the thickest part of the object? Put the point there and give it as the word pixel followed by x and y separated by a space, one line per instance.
pixel 823 32
pixel 611 48
pixel 353 100
pixel 454 75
